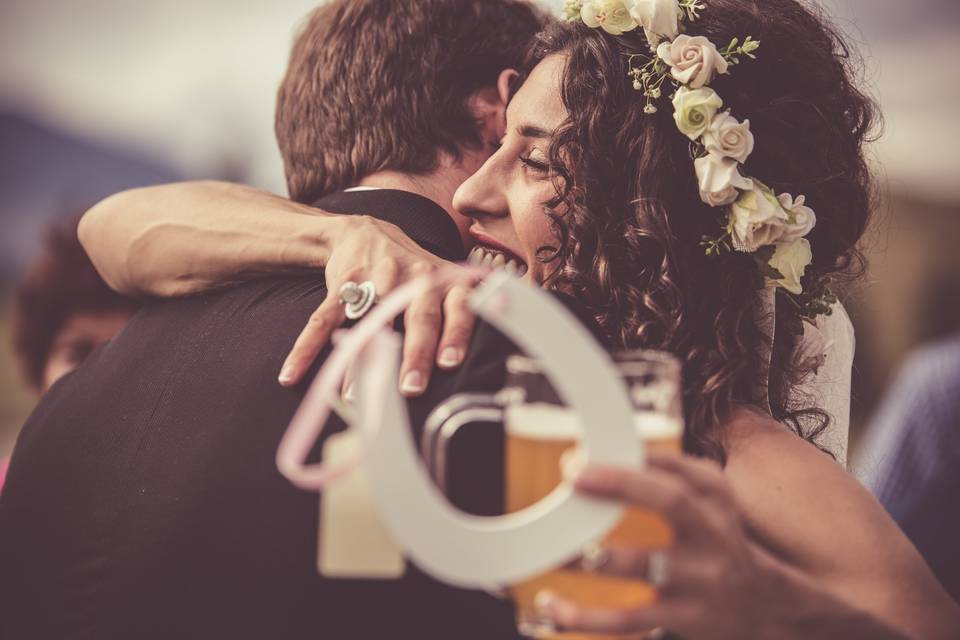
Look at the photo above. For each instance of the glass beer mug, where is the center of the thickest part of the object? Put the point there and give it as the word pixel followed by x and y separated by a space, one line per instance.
pixel 539 430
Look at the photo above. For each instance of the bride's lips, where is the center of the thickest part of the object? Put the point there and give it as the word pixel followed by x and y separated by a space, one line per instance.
pixel 489 243
pixel 489 252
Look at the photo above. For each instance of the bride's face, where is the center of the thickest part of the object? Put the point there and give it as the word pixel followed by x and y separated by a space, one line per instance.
pixel 506 196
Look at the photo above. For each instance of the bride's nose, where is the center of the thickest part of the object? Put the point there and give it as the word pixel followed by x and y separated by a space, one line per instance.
pixel 483 194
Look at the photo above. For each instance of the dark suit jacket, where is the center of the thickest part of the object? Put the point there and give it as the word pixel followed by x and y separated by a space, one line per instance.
pixel 143 500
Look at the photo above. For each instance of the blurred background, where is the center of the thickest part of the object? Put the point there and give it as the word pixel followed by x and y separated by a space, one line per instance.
pixel 103 95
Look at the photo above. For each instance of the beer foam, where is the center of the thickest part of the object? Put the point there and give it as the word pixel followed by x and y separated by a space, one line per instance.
pixel 542 421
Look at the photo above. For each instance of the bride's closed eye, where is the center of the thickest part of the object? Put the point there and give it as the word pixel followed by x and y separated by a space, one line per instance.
pixel 534 164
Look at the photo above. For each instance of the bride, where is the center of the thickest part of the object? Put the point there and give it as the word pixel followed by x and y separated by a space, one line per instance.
pixel 678 223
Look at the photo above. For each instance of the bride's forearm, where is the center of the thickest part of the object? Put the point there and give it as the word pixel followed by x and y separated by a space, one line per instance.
pixel 181 238
pixel 803 609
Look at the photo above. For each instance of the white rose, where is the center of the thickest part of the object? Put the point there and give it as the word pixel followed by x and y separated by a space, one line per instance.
pixel 693 110
pixel 802 218
pixel 693 61
pixel 610 15
pixel 659 18
pixel 719 180
pixel 791 260
pixel 729 137
pixel 756 219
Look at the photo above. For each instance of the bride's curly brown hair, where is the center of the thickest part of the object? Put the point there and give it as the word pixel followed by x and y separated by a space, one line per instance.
pixel 632 221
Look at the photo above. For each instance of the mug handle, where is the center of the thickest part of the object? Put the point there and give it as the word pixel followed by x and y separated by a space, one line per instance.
pixel 446 420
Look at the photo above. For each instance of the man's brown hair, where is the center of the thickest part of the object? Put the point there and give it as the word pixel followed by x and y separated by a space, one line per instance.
pixel 378 85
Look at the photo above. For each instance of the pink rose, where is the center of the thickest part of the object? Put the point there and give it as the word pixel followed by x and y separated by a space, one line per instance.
pixel 729 138
pixel 802 218
pixel 720 181
pixel 659 18
pixel 693 61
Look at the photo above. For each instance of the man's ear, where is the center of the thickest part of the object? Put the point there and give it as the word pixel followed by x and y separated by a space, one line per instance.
pixel 489 106
pixel 503 85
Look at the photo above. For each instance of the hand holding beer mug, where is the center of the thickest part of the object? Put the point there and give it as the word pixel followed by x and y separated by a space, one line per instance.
pixel 540 433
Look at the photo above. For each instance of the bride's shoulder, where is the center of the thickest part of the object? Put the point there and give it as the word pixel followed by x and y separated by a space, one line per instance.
pixel 789 491
pixel 754 438
pixel 763 454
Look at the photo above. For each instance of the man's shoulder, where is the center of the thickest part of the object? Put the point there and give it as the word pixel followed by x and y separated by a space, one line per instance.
pixel 284 300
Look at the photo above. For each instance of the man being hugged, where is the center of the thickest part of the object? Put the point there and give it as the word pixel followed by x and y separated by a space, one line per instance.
pixel 143 500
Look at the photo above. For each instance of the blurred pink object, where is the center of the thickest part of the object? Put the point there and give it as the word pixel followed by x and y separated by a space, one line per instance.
pixel 4 465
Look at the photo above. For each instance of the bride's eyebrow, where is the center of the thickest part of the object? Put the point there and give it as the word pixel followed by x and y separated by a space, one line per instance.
pixel 531 131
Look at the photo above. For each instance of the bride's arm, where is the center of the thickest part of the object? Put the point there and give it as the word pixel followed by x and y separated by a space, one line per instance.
pixel 176 239
pixel 814 515
pixel 780 544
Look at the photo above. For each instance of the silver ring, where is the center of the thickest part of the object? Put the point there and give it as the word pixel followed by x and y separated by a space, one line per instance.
pixel 358 298
pixel 658 569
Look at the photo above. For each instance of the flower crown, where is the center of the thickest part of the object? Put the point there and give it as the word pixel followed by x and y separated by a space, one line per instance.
pixel 757 220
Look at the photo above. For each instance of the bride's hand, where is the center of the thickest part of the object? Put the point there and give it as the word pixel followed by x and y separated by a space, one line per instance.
pixel 715 585
pixel 438 324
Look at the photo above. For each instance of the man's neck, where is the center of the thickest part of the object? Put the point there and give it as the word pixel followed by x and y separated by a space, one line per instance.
pixel 438 186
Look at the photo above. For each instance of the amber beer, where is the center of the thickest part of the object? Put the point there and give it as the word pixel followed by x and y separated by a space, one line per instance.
pixel 537 437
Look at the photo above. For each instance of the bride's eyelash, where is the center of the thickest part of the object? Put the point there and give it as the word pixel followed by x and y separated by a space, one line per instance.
pixel 539 167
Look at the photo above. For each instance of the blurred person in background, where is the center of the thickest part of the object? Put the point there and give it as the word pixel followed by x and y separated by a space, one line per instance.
pixel 911 459
pixel 63 311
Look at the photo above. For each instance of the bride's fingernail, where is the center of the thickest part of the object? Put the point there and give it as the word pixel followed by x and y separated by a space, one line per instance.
pixel 348 393
pixel 412 382
pixel 543 602
pixel 287 374
pixel 449 357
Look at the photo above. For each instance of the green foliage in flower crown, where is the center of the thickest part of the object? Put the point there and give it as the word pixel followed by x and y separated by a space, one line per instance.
pixel 692 8
pixel 734 50
pixel 818 301
pixel 716 246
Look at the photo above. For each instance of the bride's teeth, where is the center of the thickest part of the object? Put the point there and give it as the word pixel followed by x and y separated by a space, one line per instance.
pixel 498 261
pixel 487 259
pixel 474 256
pixel 511 267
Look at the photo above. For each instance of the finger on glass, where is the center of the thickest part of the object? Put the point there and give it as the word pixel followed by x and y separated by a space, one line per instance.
pixel 706 476
pixel 568 616
pixel 662 491
pixel 615 560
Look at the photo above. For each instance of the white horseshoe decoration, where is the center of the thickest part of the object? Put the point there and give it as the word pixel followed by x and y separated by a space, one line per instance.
pixel 490 552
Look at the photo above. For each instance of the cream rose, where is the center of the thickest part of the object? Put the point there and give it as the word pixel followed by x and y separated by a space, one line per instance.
pixel 693 110
pixel 729 137
pixel 693 61
pixel 719 180
pixel 756 219
pixel 610 15
pixel 791 260
pixel 659 18
pixel 802 218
